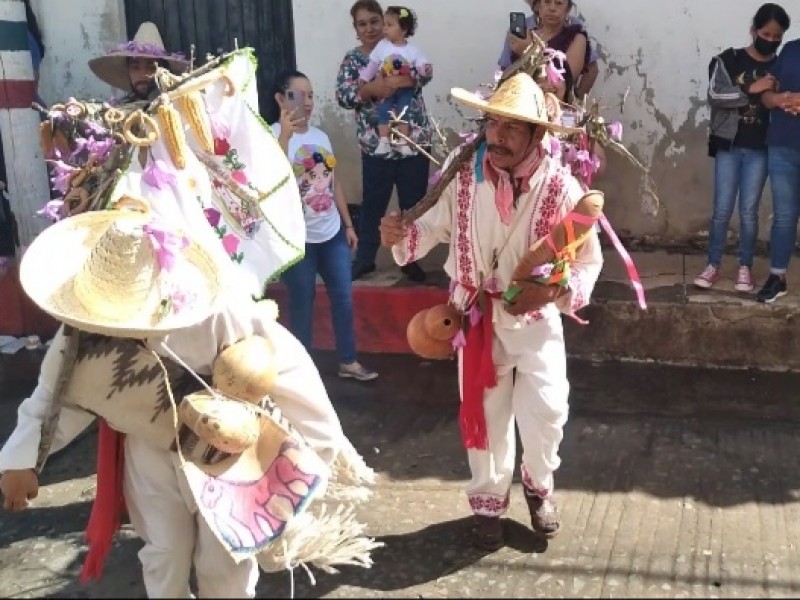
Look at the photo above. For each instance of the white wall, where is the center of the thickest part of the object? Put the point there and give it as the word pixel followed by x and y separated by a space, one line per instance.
pixel 653 52
pixel 75 31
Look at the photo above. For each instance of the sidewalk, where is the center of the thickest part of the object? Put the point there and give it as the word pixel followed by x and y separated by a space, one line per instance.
pixel 682 325
pixel 653 506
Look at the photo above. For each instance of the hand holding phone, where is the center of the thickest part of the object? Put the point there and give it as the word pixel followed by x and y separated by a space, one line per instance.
pixel 518 26
pixel 296 104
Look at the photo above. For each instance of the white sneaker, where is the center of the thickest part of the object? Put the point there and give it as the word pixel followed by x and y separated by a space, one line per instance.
pixel 384 147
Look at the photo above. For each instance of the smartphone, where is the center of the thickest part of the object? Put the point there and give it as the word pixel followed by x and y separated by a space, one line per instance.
pixel 518 27
pixel 296 103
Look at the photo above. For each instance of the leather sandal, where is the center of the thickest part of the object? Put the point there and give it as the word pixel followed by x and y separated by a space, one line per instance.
pixel 545 519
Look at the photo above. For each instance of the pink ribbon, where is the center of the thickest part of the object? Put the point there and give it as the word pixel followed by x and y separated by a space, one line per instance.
pixel 633 274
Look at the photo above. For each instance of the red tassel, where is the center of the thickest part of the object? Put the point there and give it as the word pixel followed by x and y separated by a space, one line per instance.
pixel 109 503
pixel 478 375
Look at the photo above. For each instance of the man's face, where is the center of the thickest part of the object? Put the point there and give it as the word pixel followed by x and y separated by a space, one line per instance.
pixel 509 141
pixel 141 72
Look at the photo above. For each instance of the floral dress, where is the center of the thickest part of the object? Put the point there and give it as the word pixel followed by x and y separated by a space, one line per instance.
pixel 366 113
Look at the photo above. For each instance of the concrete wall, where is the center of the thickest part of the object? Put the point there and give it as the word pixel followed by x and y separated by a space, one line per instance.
pixel 654 56
pixel 74 32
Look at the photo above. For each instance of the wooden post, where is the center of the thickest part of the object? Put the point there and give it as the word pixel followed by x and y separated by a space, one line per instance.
pixel 28 188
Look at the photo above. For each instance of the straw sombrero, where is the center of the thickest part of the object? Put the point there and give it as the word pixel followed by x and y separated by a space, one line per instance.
pixel 116 273
pixel 517 98
pixel 147 43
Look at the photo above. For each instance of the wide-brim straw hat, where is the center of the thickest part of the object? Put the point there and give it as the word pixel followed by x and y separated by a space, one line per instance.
pixel 100 272
pixel 147 43
pixel 518 98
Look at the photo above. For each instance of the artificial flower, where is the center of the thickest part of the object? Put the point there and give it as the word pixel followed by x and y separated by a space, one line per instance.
pixel 53 210
pixel 159 174
pixel 615 130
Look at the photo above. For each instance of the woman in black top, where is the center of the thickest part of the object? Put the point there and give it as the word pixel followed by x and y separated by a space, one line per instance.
pixel 737 140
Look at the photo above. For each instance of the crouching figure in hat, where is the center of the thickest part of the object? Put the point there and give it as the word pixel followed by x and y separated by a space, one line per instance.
pixel 511 352
pixel 187 382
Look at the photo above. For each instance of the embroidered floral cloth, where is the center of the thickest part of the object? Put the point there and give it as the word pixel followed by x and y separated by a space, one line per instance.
pixel 243 195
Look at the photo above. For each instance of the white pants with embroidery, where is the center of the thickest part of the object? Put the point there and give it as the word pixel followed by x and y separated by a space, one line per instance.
pixel 164 515
pixel 532 387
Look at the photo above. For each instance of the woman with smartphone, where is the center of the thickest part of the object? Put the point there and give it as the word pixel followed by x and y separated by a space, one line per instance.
pixel 381 173
pixel 553 22
pixel 330 236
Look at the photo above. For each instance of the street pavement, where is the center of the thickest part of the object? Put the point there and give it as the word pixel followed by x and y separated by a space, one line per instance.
pixel 664 493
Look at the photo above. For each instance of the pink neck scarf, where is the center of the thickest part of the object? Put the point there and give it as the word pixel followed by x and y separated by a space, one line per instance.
pixel 504 186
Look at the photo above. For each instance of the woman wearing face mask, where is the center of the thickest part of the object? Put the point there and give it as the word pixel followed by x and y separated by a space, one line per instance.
pixel 737 140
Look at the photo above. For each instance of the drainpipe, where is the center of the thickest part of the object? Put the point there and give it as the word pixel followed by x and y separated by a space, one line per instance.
pixel 28 188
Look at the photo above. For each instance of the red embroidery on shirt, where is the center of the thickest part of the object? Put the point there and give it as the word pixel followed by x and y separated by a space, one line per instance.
pixel 463 238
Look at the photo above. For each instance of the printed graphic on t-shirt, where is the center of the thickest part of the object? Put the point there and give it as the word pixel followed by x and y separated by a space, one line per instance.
pixel 752 113
pixel 313 167
pixel 396 64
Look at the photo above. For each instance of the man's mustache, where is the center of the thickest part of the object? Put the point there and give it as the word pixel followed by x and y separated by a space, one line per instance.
pixel 498 149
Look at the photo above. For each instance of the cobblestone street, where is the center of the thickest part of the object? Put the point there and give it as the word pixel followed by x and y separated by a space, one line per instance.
pixel 652 505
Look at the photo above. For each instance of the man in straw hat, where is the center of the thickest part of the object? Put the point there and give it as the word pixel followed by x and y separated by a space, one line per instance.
pixel 512 359
pixel 131 66
pixel 147 316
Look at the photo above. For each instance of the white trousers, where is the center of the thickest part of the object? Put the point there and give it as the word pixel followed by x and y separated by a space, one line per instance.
pixel 164 515
pixel 532 387
pixel 163 511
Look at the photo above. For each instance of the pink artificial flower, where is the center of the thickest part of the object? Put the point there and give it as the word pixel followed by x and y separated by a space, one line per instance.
pixel 61 175
pixel 159 174
pixel 231 243
pixel 459 341
pixel 553 74
pixel 570 153
pixel 555 147
pixel 474 315
pixel 615 130
pixel 166 245
pixel 97 148
pixel 53 210
pixel 180 299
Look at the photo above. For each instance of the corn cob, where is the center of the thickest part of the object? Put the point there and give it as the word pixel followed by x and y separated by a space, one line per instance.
pixel 172 129
pixel 194 111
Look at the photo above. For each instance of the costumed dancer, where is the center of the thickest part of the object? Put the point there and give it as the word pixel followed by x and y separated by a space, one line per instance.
pixel 512 360
pixel 169 502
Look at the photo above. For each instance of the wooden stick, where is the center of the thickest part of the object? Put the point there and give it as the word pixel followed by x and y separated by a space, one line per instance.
pixel 419 148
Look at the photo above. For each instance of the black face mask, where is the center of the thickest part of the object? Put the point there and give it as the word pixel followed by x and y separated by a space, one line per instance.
pixel 765 47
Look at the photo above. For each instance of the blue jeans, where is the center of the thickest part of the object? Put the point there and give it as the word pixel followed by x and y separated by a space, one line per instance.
pixel 331 260
pixel 741 172
pixel 397 101
pixel 379 176
pixel 784 177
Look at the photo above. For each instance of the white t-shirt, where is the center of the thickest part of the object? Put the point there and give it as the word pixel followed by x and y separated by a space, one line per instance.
pixel 394 60
pixel 311 155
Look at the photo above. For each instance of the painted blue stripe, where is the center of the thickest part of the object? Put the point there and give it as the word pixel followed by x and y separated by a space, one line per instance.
pixel 13 35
